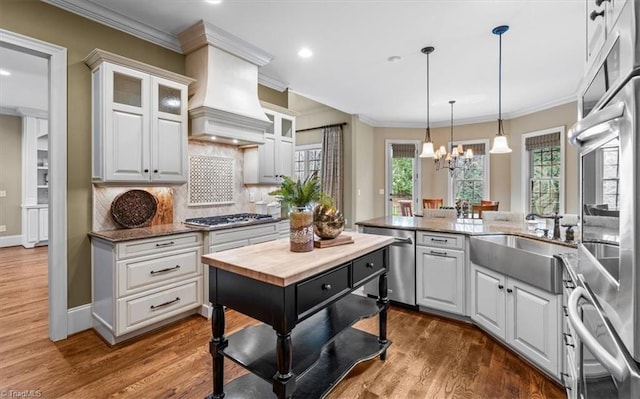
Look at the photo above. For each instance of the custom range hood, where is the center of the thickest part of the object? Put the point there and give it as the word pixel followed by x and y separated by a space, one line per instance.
pixel 223 102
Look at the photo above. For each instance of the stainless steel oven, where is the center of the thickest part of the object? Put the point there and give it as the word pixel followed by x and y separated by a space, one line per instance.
pixel 608 140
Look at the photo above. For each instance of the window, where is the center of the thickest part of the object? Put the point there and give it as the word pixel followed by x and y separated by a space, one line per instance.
pixel 308 159
pixel 610 175
pixel 543 160
pixel 471 185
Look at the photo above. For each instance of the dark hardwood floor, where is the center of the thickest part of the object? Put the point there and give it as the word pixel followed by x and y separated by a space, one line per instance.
pixel 431 357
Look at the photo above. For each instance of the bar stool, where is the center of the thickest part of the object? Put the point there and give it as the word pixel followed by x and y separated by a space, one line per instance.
pixel 405 207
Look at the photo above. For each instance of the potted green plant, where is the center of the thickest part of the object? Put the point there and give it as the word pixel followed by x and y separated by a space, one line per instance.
pixel 298 196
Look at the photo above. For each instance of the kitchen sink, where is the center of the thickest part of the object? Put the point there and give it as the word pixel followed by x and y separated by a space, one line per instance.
pixel 524 259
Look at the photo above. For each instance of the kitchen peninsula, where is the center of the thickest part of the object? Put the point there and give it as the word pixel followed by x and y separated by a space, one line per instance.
pixel 309 291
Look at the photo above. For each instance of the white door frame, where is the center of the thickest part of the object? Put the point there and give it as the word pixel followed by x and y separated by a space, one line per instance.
pixel 57 257
pixel 417 181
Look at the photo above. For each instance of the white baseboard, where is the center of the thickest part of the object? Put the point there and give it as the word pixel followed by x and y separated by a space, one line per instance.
pixel 79 319
pixel 10 241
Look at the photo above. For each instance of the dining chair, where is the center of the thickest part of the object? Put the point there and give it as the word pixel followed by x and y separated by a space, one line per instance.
pixel 432 203
pixel 489 202
pixel 479 208
pixel 405 207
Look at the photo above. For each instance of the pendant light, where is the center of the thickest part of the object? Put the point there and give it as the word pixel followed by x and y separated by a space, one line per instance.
pixel 427 146
pixel 500 145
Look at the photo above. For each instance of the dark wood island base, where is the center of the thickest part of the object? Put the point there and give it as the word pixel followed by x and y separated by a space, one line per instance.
pixel 312 295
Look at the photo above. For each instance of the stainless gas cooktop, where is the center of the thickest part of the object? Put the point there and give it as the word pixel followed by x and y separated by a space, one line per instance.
pixel 228 220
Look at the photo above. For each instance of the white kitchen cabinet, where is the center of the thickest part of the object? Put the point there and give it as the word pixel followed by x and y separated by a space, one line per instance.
pixel 139 119
pixel 601 16
pixel 525 317
pixel 268 162
pixel 440 272
pixel 139 285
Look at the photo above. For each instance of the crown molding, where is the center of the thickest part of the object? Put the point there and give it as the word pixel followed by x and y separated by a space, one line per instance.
pixel 272 83
pixel 203 33
pixel 121 22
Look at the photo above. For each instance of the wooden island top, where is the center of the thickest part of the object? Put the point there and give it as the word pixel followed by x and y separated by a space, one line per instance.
pixel 272 262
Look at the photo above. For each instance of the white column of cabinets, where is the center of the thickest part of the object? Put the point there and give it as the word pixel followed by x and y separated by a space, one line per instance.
pixel 268 162
pixel 35 181
pixel 139 122
pixel 440 272
pixel 525 317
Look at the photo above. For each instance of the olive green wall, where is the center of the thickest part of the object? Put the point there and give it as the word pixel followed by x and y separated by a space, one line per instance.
pixel 11 174
pixel 80 36
pixel 272 96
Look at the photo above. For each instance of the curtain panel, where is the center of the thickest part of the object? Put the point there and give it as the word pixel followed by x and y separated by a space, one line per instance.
pixel 333 165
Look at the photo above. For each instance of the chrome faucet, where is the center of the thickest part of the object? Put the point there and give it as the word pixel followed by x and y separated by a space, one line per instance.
pixel 556 222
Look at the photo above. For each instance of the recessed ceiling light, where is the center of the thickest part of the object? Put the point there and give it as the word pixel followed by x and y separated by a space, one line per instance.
pixel 235 141
pixel 394 58
pixel 214 1
pixel 305 53
pixel 212 138
pixel 4 72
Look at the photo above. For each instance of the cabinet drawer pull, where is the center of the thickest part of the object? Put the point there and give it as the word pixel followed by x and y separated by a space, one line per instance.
pixel 154 307
pixel 594 14
pixel 165 244
pixel 568 284
pixel 566 337
pixel 599 2
pixel 438 253
pixel 370 264
pixel 444 241
pixel 326 287
pixel 509 290
pixel 146 171
pixel 500 286
pixel 168 269
pixel 565 310
pixel 563 376
pixel 155 171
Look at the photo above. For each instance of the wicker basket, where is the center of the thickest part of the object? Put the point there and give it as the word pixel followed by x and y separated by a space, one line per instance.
pixel 134 208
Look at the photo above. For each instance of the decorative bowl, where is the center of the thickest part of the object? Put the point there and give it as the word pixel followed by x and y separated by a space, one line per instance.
pixel 328 222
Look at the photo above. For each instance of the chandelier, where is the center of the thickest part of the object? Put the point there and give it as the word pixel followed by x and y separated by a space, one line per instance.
pixel 449 160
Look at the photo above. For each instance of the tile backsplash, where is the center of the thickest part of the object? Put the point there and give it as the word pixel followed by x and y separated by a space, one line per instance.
pixel 178 196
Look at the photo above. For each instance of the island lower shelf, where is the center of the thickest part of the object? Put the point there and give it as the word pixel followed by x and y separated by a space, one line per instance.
pixel 349 348
pixel 253 347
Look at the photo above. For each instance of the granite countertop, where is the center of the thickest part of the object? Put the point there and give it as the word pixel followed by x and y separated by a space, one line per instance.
pixel 470 227
pixel 120 235
pixel 143 232
pixel 274 263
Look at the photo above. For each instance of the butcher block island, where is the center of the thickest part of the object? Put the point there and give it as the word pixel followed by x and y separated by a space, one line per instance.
pixel 306 343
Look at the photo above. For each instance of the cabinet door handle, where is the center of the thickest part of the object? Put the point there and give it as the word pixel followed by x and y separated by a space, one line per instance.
pixel 444 241
pixel 155 171
pixel 566 337
pixel 509 290
pixel 566 310
pixel 326 287
pixel 166 244
pixel 594 14
pixel 146 171
pixel 569 284
pixel 154 307
pixel 599 2
pixel 438 253
pixel 500 286
pixel 563 376
pixel 370 264
pixel 168 269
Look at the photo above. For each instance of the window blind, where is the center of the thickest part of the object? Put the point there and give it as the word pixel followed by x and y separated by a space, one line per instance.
pixel 542 141
pixel 478 148
pixel 403 150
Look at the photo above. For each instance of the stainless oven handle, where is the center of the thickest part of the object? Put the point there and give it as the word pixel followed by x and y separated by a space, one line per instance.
pixel 617 368
pixel 583 130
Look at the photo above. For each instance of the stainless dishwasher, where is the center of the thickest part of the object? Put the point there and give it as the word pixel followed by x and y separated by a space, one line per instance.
pixel 402 266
